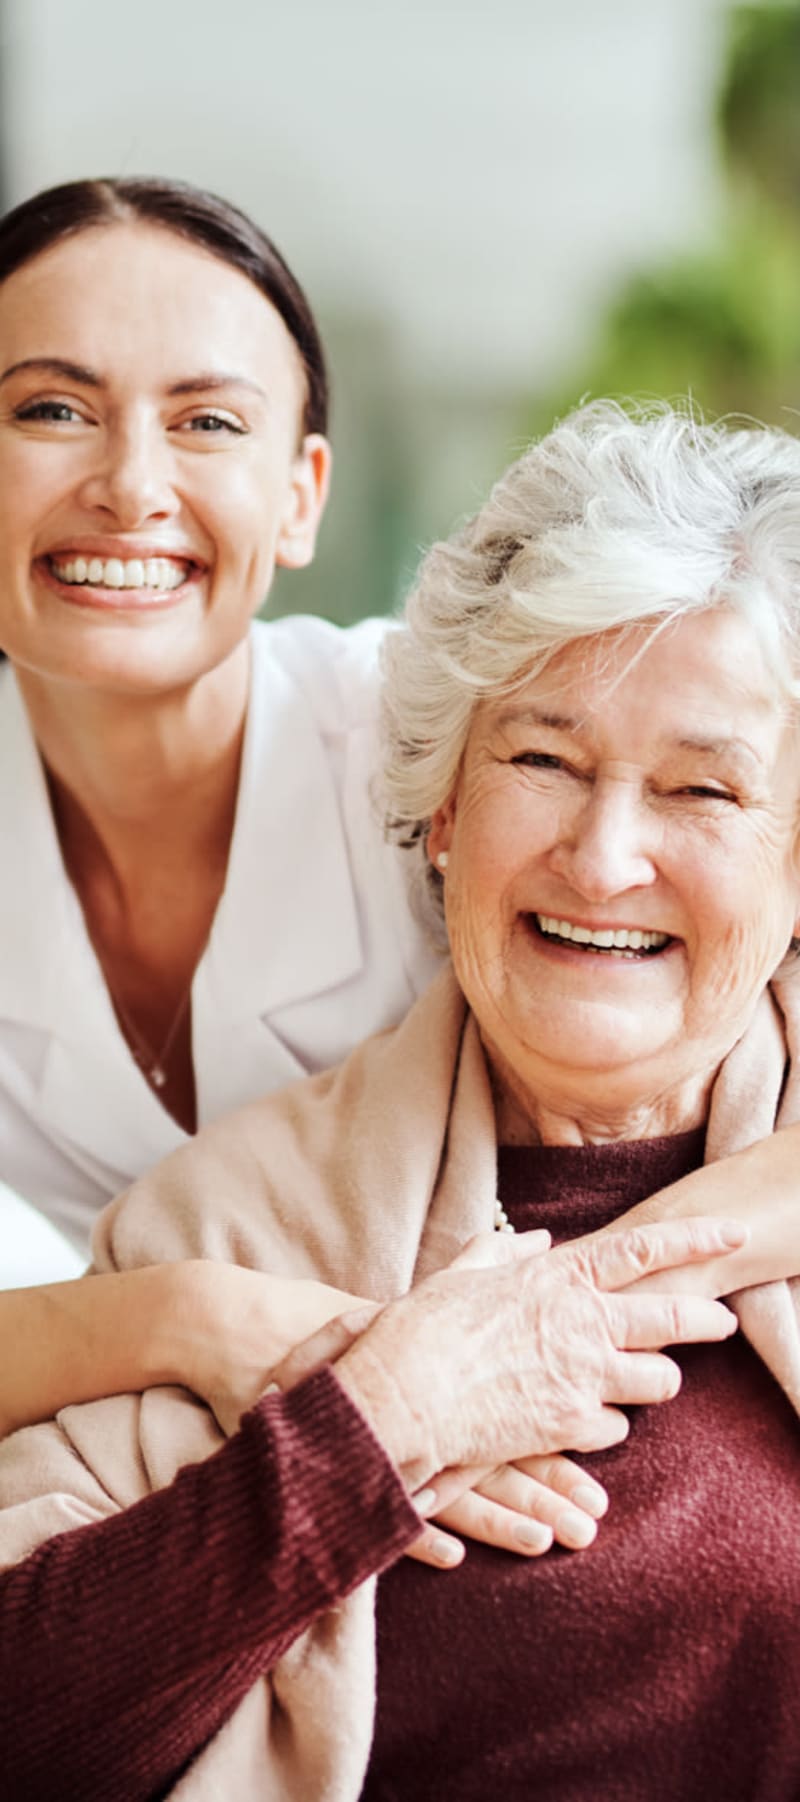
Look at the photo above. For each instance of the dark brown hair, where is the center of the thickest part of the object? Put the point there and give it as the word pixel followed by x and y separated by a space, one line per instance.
pixel 191 213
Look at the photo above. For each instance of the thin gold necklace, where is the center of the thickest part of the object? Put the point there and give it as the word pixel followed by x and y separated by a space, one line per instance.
pixel 152 1063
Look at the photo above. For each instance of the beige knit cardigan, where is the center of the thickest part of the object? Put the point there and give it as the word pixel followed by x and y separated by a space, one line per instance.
pixel 366 1177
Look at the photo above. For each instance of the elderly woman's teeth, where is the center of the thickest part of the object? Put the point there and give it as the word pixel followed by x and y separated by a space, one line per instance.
pixel 112 572
pixel 607 938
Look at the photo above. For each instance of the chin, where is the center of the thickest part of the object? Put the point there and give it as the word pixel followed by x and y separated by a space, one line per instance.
pixel 595 1045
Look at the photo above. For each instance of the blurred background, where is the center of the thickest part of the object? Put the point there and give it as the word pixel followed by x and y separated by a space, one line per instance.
pixel 495 208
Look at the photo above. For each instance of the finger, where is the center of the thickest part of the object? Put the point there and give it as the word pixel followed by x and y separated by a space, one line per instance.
pixel 611 1262
pixel 324 1346
pixel 481 1518
pixel 437 1548
pixel 642 1379
pixel 571 1524
pixel 600 1428
pixel 644 1322
pixel 487 1250
pixel 568 1480
pixel 447 1487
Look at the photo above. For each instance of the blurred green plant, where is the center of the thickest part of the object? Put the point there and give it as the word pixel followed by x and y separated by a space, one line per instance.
pixel 725 327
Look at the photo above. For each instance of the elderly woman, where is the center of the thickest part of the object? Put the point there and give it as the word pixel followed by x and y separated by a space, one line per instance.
pixel 592 713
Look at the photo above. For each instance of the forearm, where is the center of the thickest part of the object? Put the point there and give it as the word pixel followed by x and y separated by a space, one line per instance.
pixel 212 1327
pixel 759 1186
pixel 77 1341
pixel 168 1613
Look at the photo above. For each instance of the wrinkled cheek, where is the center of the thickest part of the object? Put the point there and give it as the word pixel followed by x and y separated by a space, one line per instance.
pixel 735 972
pixel 477 950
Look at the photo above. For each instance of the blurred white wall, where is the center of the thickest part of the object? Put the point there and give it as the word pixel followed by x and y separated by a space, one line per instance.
pixel 460 187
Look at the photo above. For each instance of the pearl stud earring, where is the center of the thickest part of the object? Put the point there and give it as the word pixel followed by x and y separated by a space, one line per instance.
pixel 442 860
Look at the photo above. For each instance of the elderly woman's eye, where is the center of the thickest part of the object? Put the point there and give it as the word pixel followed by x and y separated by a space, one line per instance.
pixel 538 760
pixel 705 791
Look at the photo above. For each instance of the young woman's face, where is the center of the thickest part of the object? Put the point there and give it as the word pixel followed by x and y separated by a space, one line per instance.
pixel 153 469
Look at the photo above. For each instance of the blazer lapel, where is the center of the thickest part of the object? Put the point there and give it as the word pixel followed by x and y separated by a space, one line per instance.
pixel 84 1085
pixel 287 927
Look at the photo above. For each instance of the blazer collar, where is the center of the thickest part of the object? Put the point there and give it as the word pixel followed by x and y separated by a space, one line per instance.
pixel 287 926
pixel 40 923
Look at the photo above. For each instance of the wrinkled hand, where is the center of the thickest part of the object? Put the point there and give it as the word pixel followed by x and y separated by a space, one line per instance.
pixel 528 1355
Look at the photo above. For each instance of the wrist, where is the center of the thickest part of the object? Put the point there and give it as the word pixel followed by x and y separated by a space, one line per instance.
pixel 170 1319
pixel 380 1381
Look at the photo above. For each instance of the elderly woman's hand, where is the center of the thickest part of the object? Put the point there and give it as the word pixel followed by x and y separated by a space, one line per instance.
pixel 524 1355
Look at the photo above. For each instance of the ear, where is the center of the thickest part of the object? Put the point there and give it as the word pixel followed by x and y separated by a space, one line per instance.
pixel 308 492
pixel 440 831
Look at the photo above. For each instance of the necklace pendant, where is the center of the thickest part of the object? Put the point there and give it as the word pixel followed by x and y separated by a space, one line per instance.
pixel 157 1076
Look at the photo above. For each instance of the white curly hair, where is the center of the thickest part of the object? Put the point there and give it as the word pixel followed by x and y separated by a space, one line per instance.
pixel 620 515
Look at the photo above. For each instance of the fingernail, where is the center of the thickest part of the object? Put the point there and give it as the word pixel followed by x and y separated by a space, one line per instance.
pixel 733 1234
pixel 592 1501
pixel 533 1535
pixel 424 1500
pixel 445 1551
pixel 575 1530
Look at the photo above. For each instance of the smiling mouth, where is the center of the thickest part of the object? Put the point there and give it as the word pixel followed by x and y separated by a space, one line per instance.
pixel 608 941
pixel 159 574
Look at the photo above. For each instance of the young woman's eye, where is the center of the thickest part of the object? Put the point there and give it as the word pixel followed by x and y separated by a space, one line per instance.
pixel 56 410
pixel 213 424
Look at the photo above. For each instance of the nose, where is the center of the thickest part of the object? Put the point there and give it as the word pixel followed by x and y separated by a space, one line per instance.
pixel 607 846
pixel 131 479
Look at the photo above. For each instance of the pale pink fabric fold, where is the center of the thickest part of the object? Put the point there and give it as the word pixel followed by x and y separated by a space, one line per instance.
pixel 366 1177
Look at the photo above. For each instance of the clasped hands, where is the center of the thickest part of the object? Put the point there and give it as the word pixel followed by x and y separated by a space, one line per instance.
pixel 478 1378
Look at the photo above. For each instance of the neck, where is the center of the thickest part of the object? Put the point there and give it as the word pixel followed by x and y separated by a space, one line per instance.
pixel 558 1117
pixel 137 779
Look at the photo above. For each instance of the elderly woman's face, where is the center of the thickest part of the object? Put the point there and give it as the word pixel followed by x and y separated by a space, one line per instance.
pixel 151 470
pixel 621 878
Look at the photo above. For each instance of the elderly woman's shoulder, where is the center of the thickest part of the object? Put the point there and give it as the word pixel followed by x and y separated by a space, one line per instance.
pixel 337 668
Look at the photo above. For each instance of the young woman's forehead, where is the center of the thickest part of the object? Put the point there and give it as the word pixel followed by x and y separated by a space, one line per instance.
pixel 124 292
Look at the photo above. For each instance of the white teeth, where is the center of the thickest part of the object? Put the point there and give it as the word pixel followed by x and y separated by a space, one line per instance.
pixel 112 572
pixel 607 938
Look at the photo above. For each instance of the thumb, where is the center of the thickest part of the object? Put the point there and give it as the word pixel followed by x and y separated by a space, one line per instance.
pixel 487 1250
pixel 330 1342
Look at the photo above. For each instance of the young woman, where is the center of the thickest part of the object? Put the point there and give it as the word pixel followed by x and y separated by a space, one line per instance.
pixel 197 904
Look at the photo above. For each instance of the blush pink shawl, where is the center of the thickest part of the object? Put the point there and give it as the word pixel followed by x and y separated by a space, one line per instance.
pixel 367 1177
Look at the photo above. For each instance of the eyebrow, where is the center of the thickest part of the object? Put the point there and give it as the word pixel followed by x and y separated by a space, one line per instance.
pixel 76 372
pixel 531 715
pixel 215 378
pixel 719 747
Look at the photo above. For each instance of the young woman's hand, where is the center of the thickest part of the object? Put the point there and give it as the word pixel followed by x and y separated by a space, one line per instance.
pixel 230 1327
pixel 524 1507
pixel 215 1328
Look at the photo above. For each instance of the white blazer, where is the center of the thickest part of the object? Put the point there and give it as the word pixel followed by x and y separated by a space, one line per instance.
pixel 314 944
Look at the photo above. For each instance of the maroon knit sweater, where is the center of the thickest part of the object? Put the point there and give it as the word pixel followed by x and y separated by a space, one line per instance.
pixel 661 1665
pixel 124 1645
